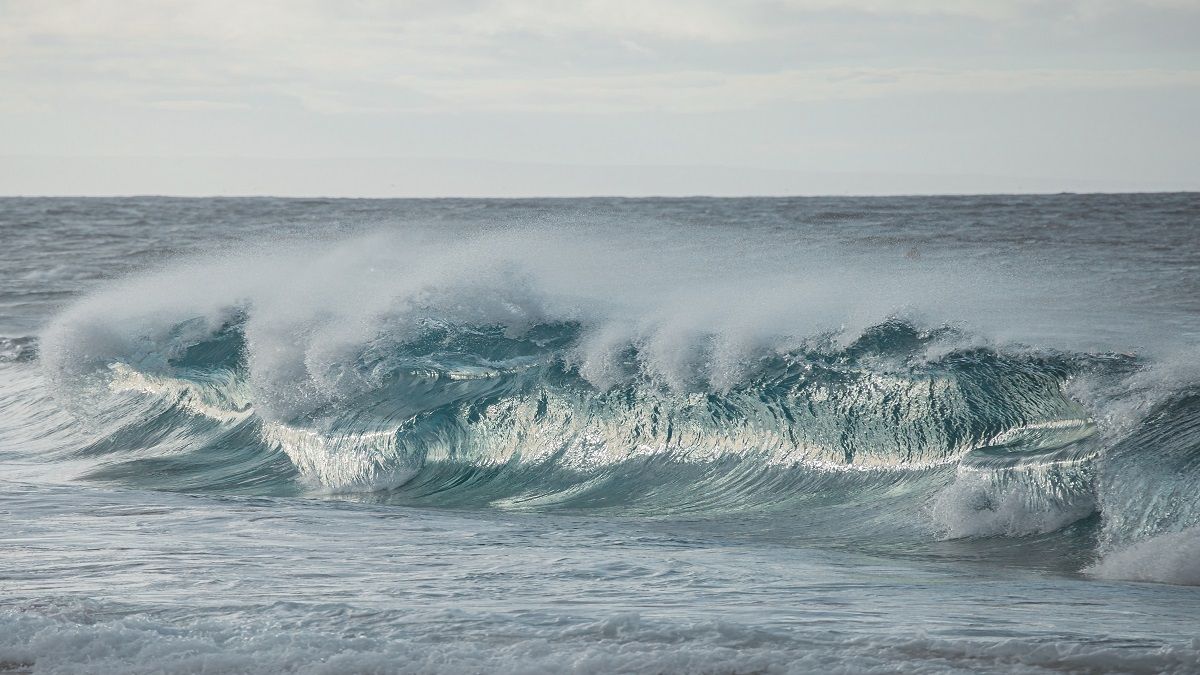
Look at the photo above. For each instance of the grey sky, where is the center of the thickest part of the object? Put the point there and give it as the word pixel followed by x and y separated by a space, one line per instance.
pixel 631 96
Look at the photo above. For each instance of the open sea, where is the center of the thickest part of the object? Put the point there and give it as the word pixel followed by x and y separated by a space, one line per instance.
pixel 793 435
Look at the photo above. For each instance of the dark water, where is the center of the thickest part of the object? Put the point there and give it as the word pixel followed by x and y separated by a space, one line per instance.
pixel 952 434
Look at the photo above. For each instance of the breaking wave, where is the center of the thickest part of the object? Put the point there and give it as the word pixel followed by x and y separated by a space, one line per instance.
pixel 542 372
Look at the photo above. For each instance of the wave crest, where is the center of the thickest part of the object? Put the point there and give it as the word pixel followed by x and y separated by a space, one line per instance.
pixel 497 374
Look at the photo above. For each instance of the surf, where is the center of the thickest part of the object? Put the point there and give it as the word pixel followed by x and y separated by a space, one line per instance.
pixel 544 369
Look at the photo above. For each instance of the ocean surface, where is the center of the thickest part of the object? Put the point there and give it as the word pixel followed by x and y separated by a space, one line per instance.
pixel 926 435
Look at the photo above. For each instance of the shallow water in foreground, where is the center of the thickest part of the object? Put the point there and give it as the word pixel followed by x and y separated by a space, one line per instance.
pixel 648 436
pixel 137 583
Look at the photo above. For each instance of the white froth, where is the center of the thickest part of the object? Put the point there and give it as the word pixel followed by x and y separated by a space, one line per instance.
pixel 976 505
pixel 698 315
pixel 1172 558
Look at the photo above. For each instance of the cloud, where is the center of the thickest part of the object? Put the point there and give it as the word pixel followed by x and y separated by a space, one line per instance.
pixel 768 82
pixel 523 55
pixel 701 91
pixel 197 105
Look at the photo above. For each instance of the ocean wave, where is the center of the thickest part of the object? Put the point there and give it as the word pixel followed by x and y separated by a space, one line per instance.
pixel 515 372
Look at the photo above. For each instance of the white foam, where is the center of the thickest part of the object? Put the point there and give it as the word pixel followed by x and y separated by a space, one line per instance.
pixel 1172 558
pixel 700 316
pixel 1119 406
pixel 974 505
pixel 624 643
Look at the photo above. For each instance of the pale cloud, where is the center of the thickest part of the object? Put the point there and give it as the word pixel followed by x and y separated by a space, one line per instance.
pixel 700 91
pixel 503 54
pixel 328 64
pixel 197 105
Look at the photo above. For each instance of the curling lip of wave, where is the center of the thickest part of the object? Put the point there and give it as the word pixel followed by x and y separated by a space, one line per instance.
pixel 435 400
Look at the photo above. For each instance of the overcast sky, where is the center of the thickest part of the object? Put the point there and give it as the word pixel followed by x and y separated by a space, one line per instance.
pixel 476 97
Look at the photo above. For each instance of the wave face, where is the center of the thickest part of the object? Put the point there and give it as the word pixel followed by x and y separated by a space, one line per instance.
pixel 453 400
pixel 559 369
